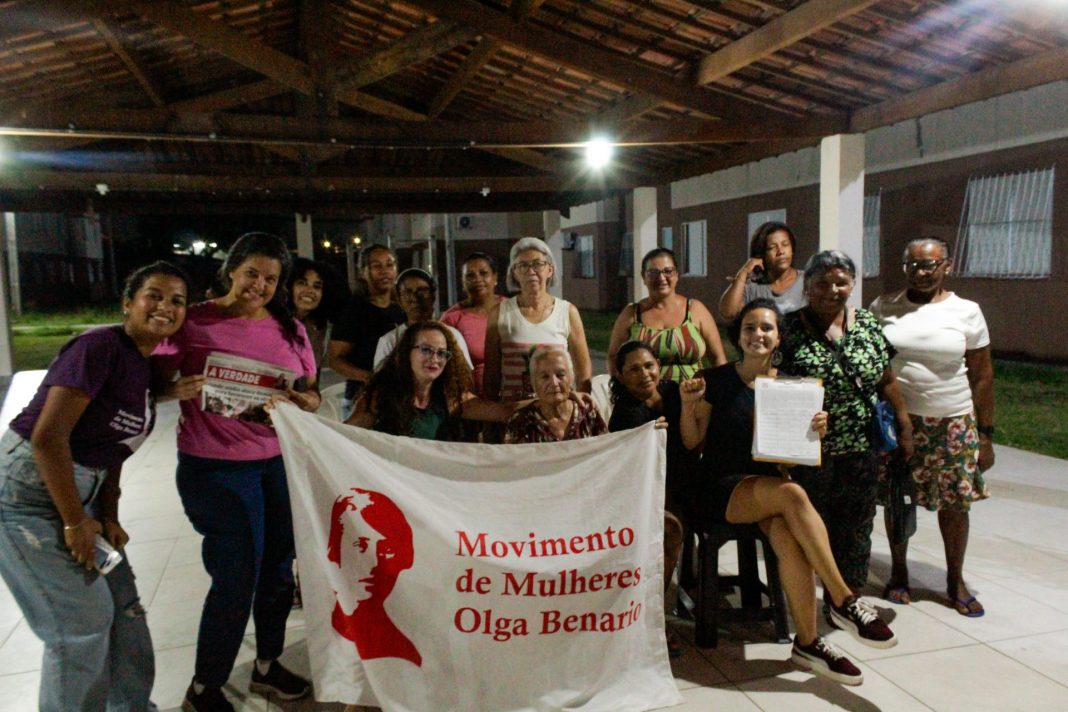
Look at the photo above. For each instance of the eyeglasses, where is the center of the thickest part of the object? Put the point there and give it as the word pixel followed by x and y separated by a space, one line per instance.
pixel 417 293
pixel 668 272
pixel 429 352
pixel 536 265
pixel 925 265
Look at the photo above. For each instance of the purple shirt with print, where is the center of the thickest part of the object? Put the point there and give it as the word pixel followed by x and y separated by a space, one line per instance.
pixel 103 363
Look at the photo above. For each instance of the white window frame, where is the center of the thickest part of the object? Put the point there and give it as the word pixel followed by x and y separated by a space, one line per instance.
pixel 693 248
pixel 584 262
pixel 873 207
pixel 1006 227
pixel 667 237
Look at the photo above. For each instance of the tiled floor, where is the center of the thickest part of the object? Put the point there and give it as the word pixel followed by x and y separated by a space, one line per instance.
pixel 1015 658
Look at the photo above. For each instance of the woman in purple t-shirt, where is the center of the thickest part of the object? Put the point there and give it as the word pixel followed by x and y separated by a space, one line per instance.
pixel 230 473
pixel 59 492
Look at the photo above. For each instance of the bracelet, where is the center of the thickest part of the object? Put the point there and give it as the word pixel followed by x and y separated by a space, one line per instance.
pixel 72 527
pixel 987 430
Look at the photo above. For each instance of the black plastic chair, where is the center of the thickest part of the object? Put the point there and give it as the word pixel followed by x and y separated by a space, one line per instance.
pixel 707 611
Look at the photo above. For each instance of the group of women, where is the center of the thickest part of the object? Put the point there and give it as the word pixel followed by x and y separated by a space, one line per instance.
pixel 924 350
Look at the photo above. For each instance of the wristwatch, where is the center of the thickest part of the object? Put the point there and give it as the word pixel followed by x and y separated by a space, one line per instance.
pixel 987 430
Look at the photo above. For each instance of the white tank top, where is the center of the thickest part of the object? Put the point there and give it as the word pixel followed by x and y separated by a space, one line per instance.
pixel 519 338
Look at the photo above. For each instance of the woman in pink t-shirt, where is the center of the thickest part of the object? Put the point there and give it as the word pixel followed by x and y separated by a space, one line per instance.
pixel 469 316
pixel 230 472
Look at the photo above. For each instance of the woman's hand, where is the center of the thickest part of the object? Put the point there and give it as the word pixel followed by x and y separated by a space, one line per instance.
pixel 81 540
pixel 186 387
pixel 986 453
pixel 305 400
pixel 661 423
pixel 819 423
pixel 904 437
pixel 115 534
pixel 692 390
pixel 747 269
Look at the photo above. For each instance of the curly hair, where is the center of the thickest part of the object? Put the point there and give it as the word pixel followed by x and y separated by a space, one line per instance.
pixel 391 390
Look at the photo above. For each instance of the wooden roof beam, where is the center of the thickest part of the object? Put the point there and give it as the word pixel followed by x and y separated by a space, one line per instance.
pixel 116 45
pixel 415 47
pixel 1051 66
pixel 125 181
pixel 626 73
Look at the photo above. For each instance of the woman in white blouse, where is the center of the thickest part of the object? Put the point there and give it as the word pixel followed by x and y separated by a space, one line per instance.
pixel 946 377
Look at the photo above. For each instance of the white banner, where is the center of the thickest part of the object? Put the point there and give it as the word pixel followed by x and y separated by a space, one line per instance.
pixel 450 576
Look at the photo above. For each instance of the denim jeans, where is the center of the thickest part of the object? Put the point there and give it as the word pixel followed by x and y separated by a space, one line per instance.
pixel 98 652
pixel 242 509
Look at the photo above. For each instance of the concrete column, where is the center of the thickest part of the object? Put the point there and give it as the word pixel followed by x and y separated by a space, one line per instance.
pixel 305 243
pixel 644 237
pixel 7 361
pixel 450 262
pixel 842 200
pixel 550 220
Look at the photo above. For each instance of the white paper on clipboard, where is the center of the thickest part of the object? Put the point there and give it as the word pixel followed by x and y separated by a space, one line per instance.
pixel 782 431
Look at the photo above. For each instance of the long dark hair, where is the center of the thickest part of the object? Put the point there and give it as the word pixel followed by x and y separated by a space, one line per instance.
pixel 262 244
pixel 335 293
pixel 136 279
pixel 619 391
pixel 391 390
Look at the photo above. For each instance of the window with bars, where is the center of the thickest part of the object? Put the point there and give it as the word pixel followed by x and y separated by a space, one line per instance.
pixel 584 254
pixel 872 233
pixel 1006 227
pixel 691 250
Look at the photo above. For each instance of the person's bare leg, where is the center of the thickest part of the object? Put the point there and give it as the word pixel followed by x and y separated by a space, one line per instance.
pixel 954 527
pixel 795 574
pixel 758 498
pixel 899 567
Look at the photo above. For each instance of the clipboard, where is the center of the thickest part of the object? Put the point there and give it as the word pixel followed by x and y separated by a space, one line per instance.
pixel 795 401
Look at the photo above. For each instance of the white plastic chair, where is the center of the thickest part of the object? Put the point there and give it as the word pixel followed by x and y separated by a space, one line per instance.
pixel 332 396
pixel 20 392
pixel 602 395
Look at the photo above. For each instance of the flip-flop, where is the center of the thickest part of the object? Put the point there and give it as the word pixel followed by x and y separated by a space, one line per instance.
pixel 963 606
pixel 894 594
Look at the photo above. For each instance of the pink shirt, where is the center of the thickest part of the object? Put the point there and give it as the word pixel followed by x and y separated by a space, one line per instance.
pixel 473 327
pixel 208 330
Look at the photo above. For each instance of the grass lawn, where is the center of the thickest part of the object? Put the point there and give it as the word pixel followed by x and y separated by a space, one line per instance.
pixel 1032 399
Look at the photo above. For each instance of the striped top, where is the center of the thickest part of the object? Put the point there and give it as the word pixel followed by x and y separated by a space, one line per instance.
pixel 679 348
pixel 519 337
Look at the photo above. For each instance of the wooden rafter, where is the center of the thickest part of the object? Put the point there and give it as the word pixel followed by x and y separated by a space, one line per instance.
pixel 126 181
pixel 478 58
pixel 1051 66
pixel 626 73
pixel 415 47
pixel 116 45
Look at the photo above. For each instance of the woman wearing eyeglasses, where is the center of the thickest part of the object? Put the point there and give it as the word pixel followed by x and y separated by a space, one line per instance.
pixel 680 331
pixel 424 388
pixel 531 319
pixel 946 378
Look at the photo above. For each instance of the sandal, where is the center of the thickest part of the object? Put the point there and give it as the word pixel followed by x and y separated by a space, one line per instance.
pixel 968 607
pixel 674 646
pixel 899 595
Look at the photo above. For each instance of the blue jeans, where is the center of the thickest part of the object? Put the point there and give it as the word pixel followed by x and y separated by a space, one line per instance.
pixel 98 652
pixel 242 509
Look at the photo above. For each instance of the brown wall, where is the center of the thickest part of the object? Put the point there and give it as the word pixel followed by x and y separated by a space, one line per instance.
pixel 605 290
pixel 1026 317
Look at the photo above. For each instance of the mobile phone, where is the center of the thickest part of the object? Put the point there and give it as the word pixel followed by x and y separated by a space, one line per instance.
pixel 301 384
pixel 107 558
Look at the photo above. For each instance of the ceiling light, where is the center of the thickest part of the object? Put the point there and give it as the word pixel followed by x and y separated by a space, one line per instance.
pixel 598 152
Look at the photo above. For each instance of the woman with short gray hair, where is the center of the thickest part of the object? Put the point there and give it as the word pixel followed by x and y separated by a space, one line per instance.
pixel 530 319
pixel 557 414
pixel 846 348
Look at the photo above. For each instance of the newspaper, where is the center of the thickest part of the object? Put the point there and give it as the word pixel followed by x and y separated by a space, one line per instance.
pixel 238 387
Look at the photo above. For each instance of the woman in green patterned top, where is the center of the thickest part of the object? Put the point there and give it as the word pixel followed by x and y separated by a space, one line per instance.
pixel 846 348
pixel 681 332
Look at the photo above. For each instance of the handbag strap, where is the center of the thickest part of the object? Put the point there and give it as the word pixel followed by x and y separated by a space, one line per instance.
pixel 847 369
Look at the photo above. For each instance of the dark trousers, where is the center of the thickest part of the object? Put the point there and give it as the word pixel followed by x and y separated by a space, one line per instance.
pixel 843 491
pixel 242 509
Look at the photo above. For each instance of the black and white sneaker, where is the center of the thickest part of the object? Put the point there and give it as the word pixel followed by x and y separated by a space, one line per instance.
pixel 825 659
pixel 861 620
pixel 278 682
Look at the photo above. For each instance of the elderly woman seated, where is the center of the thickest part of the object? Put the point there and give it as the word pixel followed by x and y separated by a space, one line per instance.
pixel 556 414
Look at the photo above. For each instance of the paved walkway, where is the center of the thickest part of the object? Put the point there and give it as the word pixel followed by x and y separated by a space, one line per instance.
pixel 1015 658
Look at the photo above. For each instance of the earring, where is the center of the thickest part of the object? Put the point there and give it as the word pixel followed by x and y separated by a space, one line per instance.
pixel 126 312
